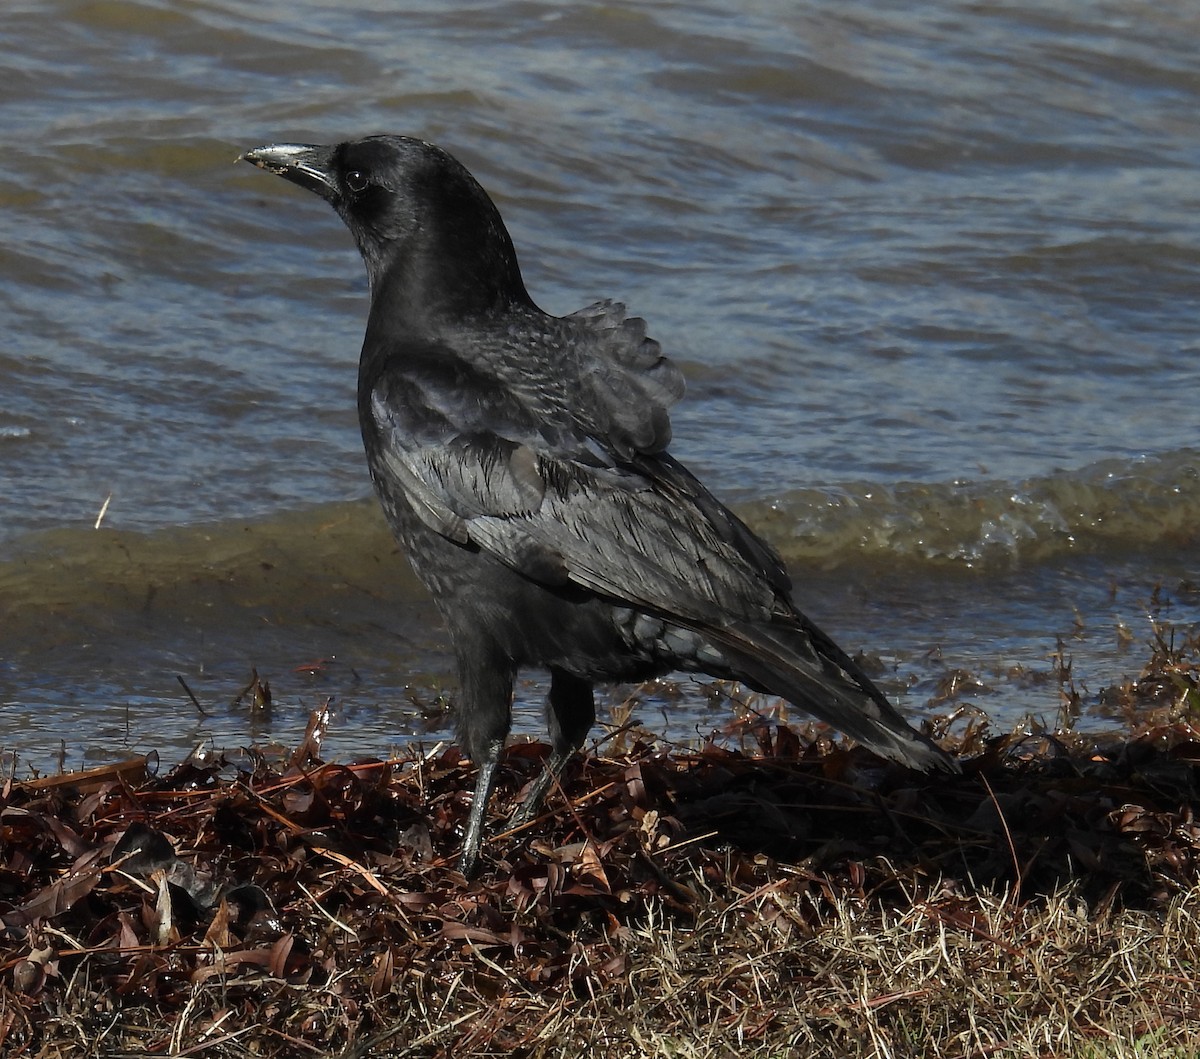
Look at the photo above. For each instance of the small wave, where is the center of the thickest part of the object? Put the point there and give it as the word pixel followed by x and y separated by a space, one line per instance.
pixel 287 564
pixel 1147 503
pixel 343 550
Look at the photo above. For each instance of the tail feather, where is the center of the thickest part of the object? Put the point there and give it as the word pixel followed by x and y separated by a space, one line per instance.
pixel 798 662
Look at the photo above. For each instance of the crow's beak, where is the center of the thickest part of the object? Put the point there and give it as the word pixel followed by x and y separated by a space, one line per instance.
pixel 306 164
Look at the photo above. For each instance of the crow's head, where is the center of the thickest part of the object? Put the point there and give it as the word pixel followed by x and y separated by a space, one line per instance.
pixel 415 213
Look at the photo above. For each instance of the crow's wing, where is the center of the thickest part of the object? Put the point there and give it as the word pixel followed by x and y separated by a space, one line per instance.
pixel 643 532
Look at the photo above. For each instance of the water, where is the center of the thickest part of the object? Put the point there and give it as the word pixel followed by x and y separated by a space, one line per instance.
pixel 930 270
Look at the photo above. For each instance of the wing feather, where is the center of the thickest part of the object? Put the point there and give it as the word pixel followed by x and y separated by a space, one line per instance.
pixel 607 527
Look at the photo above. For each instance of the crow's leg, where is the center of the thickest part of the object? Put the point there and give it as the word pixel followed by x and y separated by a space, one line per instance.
pixel 484 718
pixel 571 711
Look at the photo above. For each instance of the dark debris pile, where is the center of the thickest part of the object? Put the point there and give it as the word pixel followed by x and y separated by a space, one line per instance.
pixel 320 896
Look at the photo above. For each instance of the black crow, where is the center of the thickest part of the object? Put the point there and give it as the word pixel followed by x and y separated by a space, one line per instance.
pixel 521 460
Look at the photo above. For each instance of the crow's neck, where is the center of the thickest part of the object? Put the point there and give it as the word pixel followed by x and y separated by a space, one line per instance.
pixel 421 299
pixel 451 270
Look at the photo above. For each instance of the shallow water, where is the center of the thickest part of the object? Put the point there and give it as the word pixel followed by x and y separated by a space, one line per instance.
pixel 930 270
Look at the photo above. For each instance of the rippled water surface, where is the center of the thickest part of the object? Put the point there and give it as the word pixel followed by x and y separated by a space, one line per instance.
pixel 931 271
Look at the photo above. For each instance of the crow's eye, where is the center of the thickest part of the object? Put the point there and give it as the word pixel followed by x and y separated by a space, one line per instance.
pixel 356 180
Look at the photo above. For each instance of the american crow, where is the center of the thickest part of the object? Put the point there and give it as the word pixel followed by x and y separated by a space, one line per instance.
pixel 521 460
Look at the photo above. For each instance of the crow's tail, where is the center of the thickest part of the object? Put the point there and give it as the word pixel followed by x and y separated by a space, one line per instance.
pixel 797 661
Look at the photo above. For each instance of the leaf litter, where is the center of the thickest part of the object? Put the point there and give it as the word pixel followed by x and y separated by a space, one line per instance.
pixel 772 888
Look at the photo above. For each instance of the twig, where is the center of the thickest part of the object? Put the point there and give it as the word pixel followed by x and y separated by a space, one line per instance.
pixel 332 919
pixel 1012 849
pixel 195 701
pixel 103 511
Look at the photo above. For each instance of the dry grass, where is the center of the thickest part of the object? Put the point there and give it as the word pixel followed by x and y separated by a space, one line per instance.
pixel 751 975
pixel 1001 980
